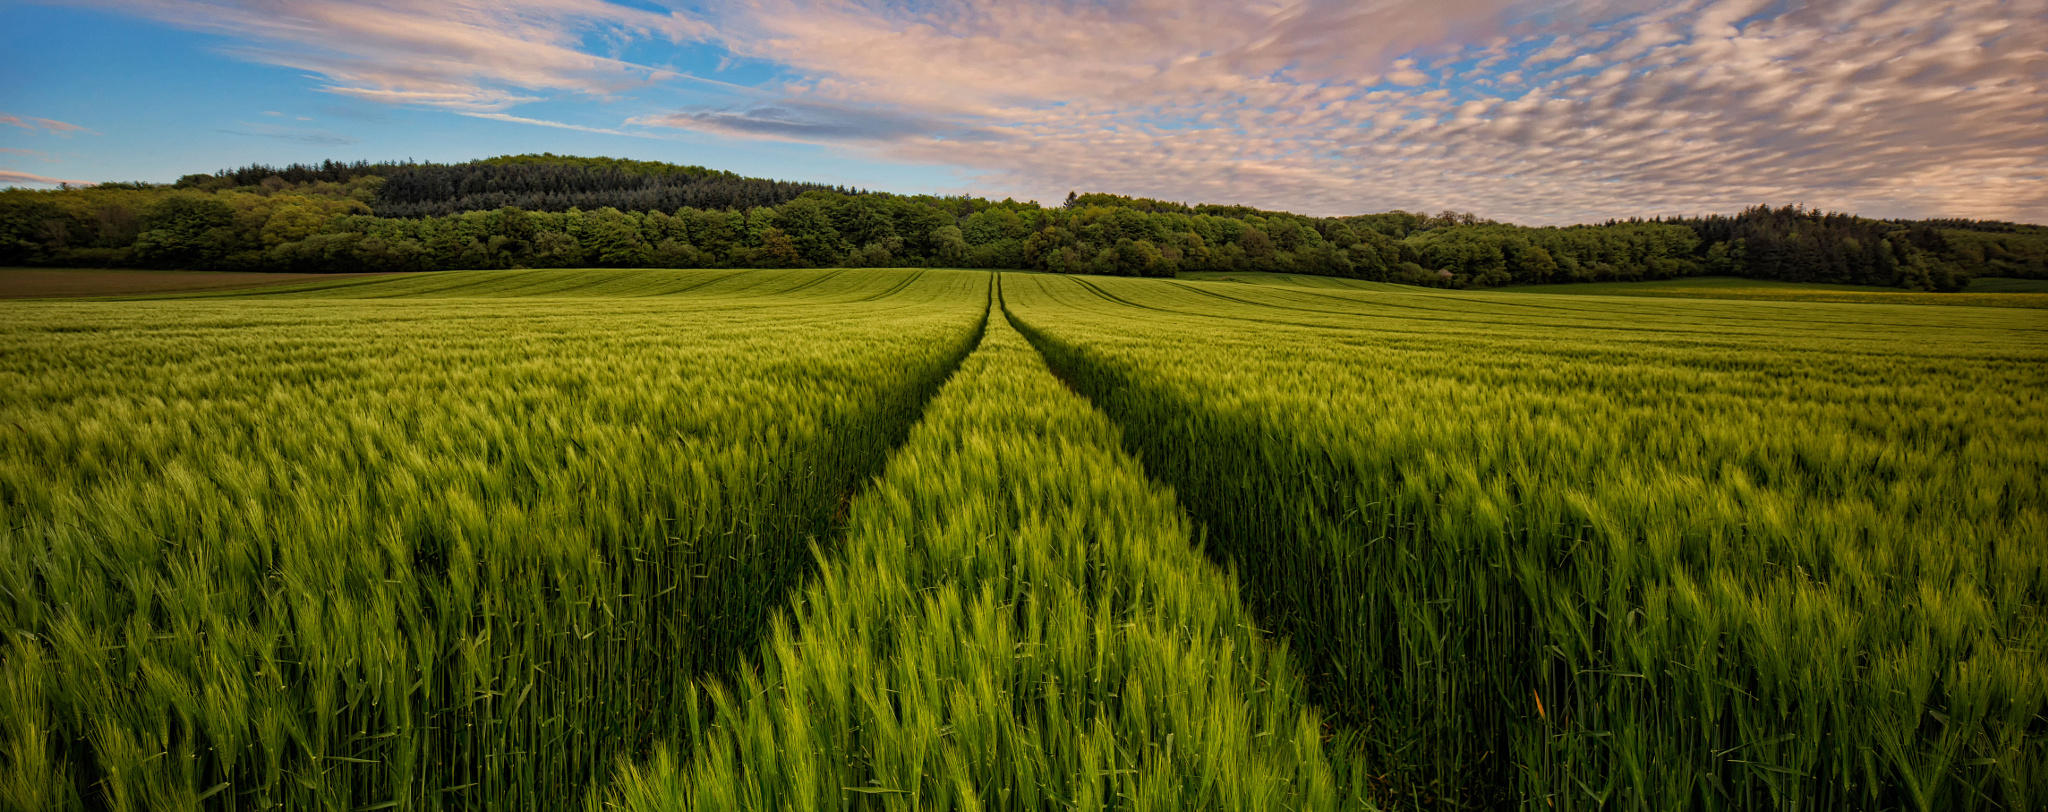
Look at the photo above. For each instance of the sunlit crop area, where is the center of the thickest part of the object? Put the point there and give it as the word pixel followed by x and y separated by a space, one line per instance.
pixel 431 552
pixel 942 539
pixel 1018 620
pixel 1572 552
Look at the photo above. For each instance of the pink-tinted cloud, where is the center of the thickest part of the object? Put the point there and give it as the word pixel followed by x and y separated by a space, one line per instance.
pixel 463 55
pixel 47 125
pixel 811 121
pixel 9 177
pixel 1533 110
pixel 984 57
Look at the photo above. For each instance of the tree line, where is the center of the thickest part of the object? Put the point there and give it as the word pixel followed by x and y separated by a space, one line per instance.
pixel 544 182
pixel 554 211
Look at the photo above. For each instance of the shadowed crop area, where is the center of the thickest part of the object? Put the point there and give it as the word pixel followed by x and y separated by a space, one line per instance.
pixel 949 539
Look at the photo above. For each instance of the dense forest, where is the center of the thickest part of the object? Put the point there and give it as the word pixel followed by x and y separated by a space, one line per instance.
pixel 555 211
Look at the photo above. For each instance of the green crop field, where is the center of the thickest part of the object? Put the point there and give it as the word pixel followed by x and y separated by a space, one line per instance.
pixel 938 539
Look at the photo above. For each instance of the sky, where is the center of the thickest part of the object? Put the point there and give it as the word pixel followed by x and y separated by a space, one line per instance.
pixel 1540 111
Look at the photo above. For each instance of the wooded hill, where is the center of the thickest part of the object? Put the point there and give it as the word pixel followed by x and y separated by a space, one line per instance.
pixel 559 211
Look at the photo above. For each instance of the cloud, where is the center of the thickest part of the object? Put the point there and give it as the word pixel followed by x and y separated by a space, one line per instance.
pixel 1404 73
pixel 9 177
pixel 1545 111
pixel 812 122
pixel 458 55
pixel 47 125
pixel 1538 112
pixel 975 57
pixel 285 133
pixel 555 124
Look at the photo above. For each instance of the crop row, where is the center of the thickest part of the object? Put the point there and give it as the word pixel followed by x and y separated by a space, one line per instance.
pixel 1564 553
pixel 420 552
pixel 1018 619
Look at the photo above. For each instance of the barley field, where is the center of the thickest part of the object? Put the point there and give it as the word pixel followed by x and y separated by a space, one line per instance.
pixel 935 539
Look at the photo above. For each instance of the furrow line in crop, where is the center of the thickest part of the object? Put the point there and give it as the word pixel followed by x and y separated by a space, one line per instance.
pixel 328 559
pixel 811 282
pixel 894 289
pixel 1018 619
pixel 1539 574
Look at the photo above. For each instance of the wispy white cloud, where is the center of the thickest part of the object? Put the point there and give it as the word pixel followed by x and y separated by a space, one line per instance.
pixel 560 125
pixel 464 55
pixel 47 125
pixel 305 135
pixel 811 121
pixel 9 177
